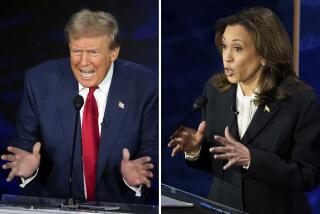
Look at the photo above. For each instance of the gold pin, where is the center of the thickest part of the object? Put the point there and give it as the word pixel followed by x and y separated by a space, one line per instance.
pixel 121 104
pixel 266 108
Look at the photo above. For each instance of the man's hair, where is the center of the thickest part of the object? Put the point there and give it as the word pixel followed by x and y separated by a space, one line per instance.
pixel 87 23
pixel 272 43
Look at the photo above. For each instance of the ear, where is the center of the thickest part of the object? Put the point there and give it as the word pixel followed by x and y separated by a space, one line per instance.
pixel 114 54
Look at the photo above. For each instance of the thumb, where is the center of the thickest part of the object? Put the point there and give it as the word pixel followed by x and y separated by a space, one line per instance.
pixel 201 128
pixel 125 154
pixel 36 148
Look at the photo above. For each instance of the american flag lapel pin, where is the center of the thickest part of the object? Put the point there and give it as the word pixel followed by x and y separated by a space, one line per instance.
pixel 266 108
pixel 121 104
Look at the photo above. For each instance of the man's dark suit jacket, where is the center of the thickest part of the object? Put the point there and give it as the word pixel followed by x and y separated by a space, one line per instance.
pixel 47 115
pixel 284 141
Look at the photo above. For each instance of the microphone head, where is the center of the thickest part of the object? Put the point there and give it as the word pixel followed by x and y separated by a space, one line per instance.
pixel 78 102
pixel 199 103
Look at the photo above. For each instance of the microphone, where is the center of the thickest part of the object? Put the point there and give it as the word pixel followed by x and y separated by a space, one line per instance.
pixel 234 111
pixel 104 123
pixel 198 104
pixel 77 103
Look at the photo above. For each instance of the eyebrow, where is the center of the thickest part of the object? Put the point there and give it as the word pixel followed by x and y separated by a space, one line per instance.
pixel 235 40
pixel 90 49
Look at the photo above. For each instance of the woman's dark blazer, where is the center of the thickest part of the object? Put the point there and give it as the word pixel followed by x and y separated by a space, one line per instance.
pixel 283 139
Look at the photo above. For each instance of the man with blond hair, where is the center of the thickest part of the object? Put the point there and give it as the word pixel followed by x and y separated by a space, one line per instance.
pixel 116 147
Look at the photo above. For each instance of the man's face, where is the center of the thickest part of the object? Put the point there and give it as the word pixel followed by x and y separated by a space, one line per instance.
pixel 91 59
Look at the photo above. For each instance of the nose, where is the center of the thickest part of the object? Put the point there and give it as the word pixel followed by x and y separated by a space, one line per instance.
pixel 227 55
pixel 84 59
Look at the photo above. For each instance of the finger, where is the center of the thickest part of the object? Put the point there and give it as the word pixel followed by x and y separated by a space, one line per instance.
pixel 8 157
pixel 174 142
pixel 36 148
pixel 150 174
pixel 11 175
pixel 201 128
pixel 176 132
pixel 148 166
pixel 5 166
pixel 184 131
pixel 143 160
pixel 9 165
pixel 175 150
pixel 180 136
pixel 15 150
pixel 147 182
pixel 222 157
pixel 221 140
pixel 229 164
pixel 228 135
pixel 125 154
pixel 146 173
pixel 220 149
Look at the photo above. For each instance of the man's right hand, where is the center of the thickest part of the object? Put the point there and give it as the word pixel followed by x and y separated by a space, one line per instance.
pixel 187 139
pixel 22 163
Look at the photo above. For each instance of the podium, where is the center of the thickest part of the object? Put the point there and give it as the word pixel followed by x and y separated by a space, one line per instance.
pixel 14 204
pixel 184 202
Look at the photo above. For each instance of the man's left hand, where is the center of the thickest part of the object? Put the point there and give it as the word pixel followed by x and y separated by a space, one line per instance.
pixel 136 172
pixel 233 151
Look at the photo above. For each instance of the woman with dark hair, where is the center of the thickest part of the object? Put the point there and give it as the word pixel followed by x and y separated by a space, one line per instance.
pixel 260 133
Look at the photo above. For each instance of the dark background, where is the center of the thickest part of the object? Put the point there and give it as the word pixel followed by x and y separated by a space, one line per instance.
pixel 189 58
pixel 33 31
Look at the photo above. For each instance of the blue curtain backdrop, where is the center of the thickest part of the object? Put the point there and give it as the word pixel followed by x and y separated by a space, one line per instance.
pixel 189 58
pixel 33 31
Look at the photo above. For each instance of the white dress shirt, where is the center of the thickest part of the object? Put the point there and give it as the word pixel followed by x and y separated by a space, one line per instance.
pixel 246 110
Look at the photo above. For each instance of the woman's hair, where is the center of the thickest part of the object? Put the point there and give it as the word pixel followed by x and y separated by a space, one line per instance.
pixel 272 44
pixel 87 23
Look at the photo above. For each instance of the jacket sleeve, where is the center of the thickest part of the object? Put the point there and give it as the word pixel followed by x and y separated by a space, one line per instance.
pixel 27 125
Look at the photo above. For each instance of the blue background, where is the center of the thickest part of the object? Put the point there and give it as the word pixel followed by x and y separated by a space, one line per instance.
pixel 33 31
pixel 189 58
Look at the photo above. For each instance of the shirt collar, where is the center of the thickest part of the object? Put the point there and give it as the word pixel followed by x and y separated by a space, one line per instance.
pixel 240 94
pixel 103 86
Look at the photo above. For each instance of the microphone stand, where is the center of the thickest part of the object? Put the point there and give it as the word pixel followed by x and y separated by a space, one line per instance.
pixel 70 201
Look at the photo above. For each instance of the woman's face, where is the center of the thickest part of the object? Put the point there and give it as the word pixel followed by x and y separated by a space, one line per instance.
pixel 242 64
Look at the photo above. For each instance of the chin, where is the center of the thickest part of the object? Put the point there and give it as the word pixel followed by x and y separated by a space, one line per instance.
pixel 232 80
pixel 87 83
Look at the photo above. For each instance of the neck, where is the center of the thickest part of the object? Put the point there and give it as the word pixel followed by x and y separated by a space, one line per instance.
pixel 247 89
pixel 251 84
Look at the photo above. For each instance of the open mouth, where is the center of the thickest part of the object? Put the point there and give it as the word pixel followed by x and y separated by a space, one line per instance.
pixel 87 74
pixel 228 72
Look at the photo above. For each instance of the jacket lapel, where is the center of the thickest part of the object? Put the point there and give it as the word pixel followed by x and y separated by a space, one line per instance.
pixel 260 119
pixel 116 109
pixel 227 113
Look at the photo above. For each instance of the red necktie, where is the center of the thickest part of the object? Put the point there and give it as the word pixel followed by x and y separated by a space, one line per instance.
pixel 90 143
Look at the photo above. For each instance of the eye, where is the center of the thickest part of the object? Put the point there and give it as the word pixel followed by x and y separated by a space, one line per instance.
pixel 76 52
pixel 94 52
pixel 223 46
pixel 238 49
